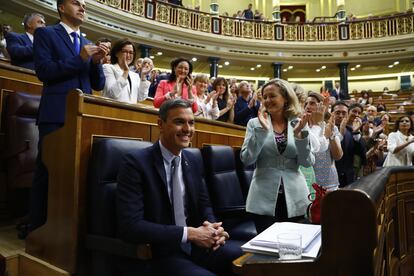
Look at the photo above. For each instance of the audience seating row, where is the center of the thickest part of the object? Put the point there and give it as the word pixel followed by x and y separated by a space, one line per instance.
pixel 216 163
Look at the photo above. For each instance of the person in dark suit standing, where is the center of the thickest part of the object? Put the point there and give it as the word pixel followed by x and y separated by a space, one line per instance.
pixel 20 46
pixel 161 200
pixel 348 120
pixel 64 60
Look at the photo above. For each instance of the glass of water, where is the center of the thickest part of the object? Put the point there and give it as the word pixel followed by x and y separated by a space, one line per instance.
pixel 290 246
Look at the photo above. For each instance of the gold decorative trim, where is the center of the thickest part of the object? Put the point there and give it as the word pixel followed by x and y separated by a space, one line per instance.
pixel 388 26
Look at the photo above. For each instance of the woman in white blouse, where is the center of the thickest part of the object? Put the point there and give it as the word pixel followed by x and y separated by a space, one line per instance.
pixel 400 144
pixel 207 103
pixel 121 83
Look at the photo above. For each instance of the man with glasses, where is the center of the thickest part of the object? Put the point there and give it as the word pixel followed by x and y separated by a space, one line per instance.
pixel 64 60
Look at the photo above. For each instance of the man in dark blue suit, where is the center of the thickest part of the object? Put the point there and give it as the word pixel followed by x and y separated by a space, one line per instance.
pixel 182 230
pixel 64 60
pixel 20 46
pixel 348 120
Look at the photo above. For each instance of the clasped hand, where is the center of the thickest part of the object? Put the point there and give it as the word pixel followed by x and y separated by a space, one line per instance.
pixel 209 235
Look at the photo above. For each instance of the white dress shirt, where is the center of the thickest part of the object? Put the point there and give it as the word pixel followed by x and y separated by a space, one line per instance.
pixel 167 157
pixel 69 30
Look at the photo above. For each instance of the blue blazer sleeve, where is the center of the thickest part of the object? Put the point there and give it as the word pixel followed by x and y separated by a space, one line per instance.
pixel 132 225
pixel 17 47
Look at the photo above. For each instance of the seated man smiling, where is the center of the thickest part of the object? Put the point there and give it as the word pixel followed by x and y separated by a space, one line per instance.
pixel 161 200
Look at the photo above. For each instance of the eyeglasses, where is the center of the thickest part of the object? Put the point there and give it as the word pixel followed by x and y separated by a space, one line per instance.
pixel 127 52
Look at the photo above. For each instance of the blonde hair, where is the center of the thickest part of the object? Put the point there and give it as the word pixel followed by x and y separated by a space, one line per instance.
pixel 201 78
pixel 300 92
pixel 292 108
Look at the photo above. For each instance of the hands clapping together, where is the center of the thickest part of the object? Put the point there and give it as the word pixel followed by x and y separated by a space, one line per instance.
pixel 97 53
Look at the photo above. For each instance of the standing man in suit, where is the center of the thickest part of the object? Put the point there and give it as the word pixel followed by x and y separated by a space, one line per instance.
pixel 161 200
pixel 64 60
pixel 20 46
pixel 348 120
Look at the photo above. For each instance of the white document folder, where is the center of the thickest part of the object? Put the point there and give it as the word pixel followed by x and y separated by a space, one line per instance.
pixel 266 242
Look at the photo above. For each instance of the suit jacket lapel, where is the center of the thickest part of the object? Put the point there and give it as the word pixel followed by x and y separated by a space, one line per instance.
pixel 65 37
pixel 188 178
pixel 27 39
pixel 159 166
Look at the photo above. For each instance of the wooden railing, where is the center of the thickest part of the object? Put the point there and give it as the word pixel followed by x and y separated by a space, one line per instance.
pixel 380 27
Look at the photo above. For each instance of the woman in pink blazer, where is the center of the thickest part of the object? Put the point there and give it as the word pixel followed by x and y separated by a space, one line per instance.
pixel 179 83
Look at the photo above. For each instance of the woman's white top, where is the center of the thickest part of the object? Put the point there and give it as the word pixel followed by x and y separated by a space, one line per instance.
pixel 206 110
pixel 117 87
pixel 403 157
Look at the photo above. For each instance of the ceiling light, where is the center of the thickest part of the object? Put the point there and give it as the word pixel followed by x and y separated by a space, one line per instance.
pixel 323 67
pixel 358 65
pixel 159 53
pixel 194 59
pixel 396 62
pixel 352 69
pixel 226 63
pixel 390 66
pixel 220 66
pixel 258 65
pixel 290 67
pixel 152 57
pixel 318 70
pixel 285 70
pixel 252 68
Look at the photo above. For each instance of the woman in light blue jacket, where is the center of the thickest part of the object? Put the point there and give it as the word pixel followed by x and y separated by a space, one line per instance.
pixel 278 142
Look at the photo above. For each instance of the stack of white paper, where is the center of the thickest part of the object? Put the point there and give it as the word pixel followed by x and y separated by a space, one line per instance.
pixel 266 242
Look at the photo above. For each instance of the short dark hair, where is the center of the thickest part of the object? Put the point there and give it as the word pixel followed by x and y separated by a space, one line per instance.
pixel 356 105
pixel 171 104
pixel 103 39
pixel 339 103
pixel 58 3
pixel 28 17
pixel 118 45
pixel 397 123
pixel 174 63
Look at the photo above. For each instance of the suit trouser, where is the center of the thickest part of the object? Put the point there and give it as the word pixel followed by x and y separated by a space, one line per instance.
pixel 201 262
pixel 39 191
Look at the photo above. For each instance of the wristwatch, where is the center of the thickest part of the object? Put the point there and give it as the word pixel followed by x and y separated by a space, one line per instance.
pixel 332 137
